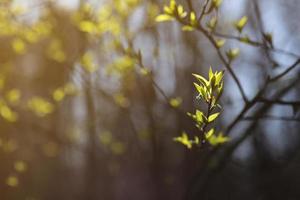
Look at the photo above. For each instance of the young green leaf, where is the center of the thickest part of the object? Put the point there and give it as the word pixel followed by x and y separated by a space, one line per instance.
pixel 172 4
pixel 198 87
pixel 220 89
pixel 193 19
pixel 180 11
pixel 187 28
pixel 210 73
pixel 239 25
pixel 209 90
pixel 201 79
pixel 164 17
pixel 175 102
pixel 219 77
pixel 245 39
pixel 212 23
pixel 183 139
pixel 196 140
pixel 220 43
pixel 209 133
pixel 200 118
pixel 232 53
pixel 212 117
pixel 217 3
pixel 216 140
pixel 168 10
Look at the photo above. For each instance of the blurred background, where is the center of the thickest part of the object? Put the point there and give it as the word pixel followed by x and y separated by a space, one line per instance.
pixel 93 93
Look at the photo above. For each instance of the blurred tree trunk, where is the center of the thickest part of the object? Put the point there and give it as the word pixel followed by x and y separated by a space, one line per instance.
pixel 91 159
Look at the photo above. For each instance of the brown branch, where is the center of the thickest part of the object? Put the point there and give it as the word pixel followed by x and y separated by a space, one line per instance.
pixel 190 5
pixel 294 65
pixel 271 117
pixel 281 102
pixel 262 32
pixel 203 10
pixel 254 43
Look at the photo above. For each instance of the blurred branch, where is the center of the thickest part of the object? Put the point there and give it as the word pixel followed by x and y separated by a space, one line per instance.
pixel 254 43
pixel 271 117
pixel 262 31
pixel 126 111
pixel 295 64
pixel 281 102
pixel 227 65
pixel 230 149
pixel 139 58
pixel 190 5
pixel 203 10
pixel 220 158
pixel 258 97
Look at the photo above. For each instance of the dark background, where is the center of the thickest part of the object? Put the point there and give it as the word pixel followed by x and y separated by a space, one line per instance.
pixel 112 138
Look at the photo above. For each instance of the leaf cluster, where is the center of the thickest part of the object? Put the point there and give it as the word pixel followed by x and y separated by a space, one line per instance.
pixel 209 91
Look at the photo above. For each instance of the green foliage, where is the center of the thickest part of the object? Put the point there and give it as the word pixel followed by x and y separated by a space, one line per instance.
pixel 175 102
pixel 214 139
pixel 176 11
pixel 7 113
pixel 209 90
pixel 212 23
pixel 216 3
pixel 220 43
pixel 186 141
pixel 232 53
pixel 171 12
pixel 245 39
pixel 192 23
pixel 240 24
pixel 40 106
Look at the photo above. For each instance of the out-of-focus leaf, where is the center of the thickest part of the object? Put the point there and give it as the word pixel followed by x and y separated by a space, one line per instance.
pixel 164 17
pixel 239 25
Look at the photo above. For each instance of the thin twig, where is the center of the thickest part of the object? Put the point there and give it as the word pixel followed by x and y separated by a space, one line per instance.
pixel 281 102
pixel 271 117
pixel 254 43
pixel 294 65
pixel 203 10
pixel 262 32
pixel 190 5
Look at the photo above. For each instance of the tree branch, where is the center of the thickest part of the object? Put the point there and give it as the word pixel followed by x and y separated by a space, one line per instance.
pixel 271 117
pixel 275 78
pixel 281 102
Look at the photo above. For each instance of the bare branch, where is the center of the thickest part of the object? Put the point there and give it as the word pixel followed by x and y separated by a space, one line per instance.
pixel 295 64
pixel 271 117
pixel 281 102
pixel 203 10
